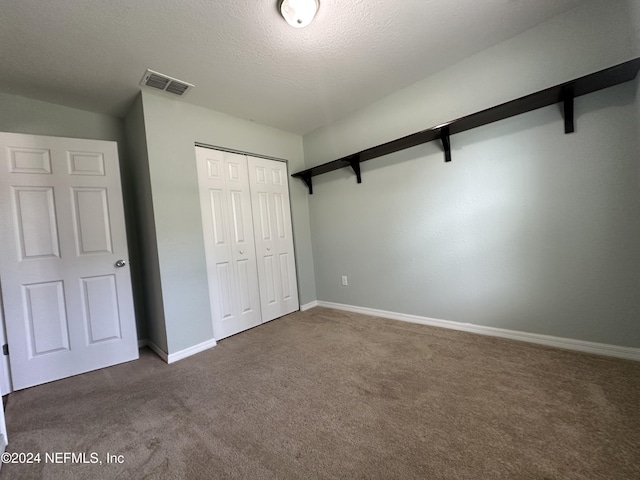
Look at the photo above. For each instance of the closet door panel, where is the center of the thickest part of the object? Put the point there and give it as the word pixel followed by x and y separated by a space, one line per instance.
pixel 229 246
pixel 247 313
pixel 274 242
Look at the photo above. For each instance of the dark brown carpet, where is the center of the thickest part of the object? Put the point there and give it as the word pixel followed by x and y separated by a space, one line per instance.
pixel 328 394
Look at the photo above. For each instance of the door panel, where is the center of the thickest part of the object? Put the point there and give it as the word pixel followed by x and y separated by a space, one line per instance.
pixel 246 303
pixel 68 309
pixel 218 217
pixel 269 282
pixel 225 282
pixel 274 246
pixel 35 222
pixel 229 241
pixel 100 310
pixel 265 217
pixel 86 163
pixel 91 216
pixel 280 214
pixel 29 160
pixel 237 216
pixel 46 316
pixel 285 281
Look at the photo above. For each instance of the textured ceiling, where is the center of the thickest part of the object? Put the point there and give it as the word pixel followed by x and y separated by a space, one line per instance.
pixel 242 56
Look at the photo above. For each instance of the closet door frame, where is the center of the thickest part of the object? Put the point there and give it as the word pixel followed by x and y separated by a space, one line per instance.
pixel 204 171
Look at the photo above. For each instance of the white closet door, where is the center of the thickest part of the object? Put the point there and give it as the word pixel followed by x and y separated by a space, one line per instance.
pixel 229 241
pixel 65 280
pixel 274 240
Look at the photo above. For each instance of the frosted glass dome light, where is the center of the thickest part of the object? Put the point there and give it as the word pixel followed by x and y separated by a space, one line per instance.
pixel 299 13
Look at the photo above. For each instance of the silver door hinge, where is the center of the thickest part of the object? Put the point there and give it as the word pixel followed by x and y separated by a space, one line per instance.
pixel 5 349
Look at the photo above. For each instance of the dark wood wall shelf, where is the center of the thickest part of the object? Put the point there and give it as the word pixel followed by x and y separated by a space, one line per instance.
pixel 563 93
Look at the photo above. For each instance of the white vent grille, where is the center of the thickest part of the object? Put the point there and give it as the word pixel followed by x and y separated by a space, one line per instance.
pixel 165 83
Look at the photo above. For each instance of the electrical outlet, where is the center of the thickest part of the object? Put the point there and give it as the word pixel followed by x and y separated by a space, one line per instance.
pixel 344 280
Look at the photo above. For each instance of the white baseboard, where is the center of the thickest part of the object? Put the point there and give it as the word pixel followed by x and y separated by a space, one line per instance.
pixel 187 352
pixel 158 351
pixel 308 306
pixel 628 353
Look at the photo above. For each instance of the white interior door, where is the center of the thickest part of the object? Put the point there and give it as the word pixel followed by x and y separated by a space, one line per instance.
pixel 229 242
pixel 274 240
pixel 68 307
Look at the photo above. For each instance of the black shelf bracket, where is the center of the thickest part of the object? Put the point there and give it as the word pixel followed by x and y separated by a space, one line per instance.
pixel 567 99
pixel 445 138
pixel 564 93
pixel 307 181
pixel 355 165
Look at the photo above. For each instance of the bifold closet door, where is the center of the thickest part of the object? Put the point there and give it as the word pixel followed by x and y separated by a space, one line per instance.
pixel 229 241
pixel 274 239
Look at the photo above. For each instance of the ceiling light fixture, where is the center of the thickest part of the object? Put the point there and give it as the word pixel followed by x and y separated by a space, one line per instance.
pixel 299 13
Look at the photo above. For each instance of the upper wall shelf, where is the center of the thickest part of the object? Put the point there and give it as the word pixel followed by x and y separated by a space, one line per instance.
pixel 563 93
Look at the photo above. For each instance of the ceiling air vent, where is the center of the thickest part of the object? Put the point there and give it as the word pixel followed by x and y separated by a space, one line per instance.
pixel 165 83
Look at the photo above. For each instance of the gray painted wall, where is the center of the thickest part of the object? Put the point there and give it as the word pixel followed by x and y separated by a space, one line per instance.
pixel 172 128
pixel 25 115
pixel 527 229
pixel 145 270
pixel 588 38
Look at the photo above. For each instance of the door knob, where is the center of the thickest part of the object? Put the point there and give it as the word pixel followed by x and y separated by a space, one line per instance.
pixel 268 249
pixel 241 252
pixel 120 263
